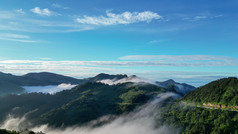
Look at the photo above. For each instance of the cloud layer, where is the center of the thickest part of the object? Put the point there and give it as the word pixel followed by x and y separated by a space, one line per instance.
pixel 17 38
pixel 56 5
pixel 21 20
pixel 132 64
pixel 48 89
pixel 140 121
pixel 138 60
pixel 123 18
pixel 133 79
pixel 177 57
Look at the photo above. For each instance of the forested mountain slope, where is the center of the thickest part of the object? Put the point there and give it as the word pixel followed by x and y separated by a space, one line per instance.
pixel 79 105
pixel 222 91
pixel 191 116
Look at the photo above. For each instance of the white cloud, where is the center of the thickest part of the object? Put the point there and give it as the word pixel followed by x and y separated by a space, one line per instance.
pixel 13 21
pixel 202 17
pixel 195 78
pixel 44 58
pixel 218 16
pixel 139 60
pixel 197 18
pixel 7 15
pixel 169 62
pixel 42 12
pixel 55 5
pixel 19 40
pixel 174 58
pixel 156 41
pixel 133 65
pixel 123 18
pixel 51 89
pixel 16 37
pixel 20 11
pixel 132 78
pixel 140 121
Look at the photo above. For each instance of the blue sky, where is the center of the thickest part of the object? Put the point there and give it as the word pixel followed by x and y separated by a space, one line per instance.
pixel 192 41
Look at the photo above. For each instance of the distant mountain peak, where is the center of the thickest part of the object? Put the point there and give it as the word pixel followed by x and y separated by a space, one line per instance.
pixel 40 73
pixel 170 80
pixel 119 79
pixel 166 83
pixel 181 88
pixel 133 76
pixel 103 76
pixel 111 75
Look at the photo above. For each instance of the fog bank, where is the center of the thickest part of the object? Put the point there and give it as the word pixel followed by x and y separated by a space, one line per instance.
pixel 51 89
pixel 139 121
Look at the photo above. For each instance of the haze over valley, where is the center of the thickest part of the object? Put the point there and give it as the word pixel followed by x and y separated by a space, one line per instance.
pixel 118 67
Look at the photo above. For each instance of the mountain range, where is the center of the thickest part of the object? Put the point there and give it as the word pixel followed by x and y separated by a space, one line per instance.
pixel 79 105
pixel 11 84
pixel 211 108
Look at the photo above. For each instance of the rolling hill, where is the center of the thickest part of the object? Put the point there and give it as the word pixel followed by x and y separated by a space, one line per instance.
pixel 11 84
pixel 192 114
pixel 221 92
pixel 115 95
pixel 181 88
pixel 79 105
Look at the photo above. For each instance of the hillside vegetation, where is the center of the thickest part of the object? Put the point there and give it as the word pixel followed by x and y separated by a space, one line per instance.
pixel 12 84
pixel 223 91
pixel 79 105
pixel 4 131
pixel 195 118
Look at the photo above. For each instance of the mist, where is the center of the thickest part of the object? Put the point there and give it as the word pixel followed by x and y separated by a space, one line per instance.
pixel 51 89
pixel 179 88
pixel 139 121
pixel 132 78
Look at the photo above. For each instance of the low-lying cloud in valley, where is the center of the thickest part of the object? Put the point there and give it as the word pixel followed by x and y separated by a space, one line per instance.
pixel 132 78
pixel 51 89
pixel 140 121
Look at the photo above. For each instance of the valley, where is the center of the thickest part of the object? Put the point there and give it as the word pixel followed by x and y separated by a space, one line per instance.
pixel 95 103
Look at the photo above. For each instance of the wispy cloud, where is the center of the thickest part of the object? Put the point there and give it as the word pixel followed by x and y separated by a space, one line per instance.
pixel 196 18
pixel 44 58
pixel 190 77
pixel 178 58
pixel 135 61
pixel 48 89
pixel 7 15
pixel 183 60
pixel 218 16
pixel 20 11
pixel 123 18
pixel 42 12
pixel 152 63
pixel 14 21
pixel 202 17
pixel 156 41
pixel 17 37
pixel 142 60
pixel 55 5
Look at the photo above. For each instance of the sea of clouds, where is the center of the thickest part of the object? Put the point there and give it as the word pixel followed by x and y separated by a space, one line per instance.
pixel 51 89
pixel 140 121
